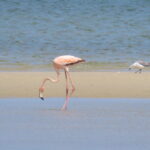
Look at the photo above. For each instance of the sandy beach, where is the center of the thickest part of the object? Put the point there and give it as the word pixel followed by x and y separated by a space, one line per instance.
pixel 88 84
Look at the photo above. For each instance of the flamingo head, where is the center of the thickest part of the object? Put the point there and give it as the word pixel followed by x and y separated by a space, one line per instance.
pixel 41 91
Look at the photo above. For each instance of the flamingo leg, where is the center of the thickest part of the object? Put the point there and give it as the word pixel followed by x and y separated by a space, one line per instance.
pixel 73 87
pixel 67 93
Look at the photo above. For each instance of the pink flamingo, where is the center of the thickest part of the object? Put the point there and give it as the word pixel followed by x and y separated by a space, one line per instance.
pixel 62 62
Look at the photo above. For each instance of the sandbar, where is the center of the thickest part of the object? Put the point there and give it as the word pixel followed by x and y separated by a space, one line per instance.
pixel 88 84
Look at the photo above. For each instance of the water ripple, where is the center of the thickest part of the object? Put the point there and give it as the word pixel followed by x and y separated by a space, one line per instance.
pixel 105 32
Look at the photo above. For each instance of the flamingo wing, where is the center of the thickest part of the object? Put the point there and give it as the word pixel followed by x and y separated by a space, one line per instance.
pixel 67 60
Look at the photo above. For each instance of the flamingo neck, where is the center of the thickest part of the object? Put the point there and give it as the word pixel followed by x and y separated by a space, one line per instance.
pixel 51 79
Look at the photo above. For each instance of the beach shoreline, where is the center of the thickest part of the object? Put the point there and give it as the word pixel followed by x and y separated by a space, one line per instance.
pixel 88 84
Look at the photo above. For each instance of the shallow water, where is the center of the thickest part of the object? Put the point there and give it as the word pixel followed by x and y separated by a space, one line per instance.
pixel 88 124
pixel 100 31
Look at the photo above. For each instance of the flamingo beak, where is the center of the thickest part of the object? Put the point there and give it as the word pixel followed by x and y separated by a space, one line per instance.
pixel 41 94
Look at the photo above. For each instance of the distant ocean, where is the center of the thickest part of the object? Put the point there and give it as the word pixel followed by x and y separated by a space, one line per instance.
pixel 108 34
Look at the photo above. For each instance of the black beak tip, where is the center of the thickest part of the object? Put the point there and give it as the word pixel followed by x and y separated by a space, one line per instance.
pixel 42 98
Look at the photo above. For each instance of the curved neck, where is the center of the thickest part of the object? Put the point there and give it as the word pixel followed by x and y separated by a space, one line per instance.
pixel 51 79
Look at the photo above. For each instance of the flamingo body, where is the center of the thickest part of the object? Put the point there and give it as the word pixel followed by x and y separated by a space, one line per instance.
pixel 62 62
pixel 66 60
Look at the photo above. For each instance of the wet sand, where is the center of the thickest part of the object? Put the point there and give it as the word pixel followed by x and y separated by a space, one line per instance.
pixel 107 124
pixel 88 84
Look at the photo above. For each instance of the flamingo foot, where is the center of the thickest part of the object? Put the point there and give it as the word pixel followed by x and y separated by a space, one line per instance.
pixel 64 108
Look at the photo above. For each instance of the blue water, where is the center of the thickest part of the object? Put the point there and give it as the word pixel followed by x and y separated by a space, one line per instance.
pixel 107 124
pixel 33 32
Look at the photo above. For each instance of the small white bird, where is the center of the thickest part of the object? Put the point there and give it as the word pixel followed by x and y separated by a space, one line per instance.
pixel 139 65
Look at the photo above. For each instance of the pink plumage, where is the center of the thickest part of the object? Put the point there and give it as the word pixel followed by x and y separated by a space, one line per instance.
pixel 67 60
pixel 62 62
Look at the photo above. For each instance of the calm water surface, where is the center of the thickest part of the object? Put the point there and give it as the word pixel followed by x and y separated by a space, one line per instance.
pixel 107 124
pixel 109 34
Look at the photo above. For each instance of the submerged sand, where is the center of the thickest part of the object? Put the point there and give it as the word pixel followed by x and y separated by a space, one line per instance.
pixel 89 123
pixel 88 84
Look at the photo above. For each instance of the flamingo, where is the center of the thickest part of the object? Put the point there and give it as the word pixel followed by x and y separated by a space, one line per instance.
pixel 62 63
pixel 139 65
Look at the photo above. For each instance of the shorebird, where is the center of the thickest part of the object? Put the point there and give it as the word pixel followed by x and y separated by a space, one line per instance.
pixel 62 63
pixel 139 65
